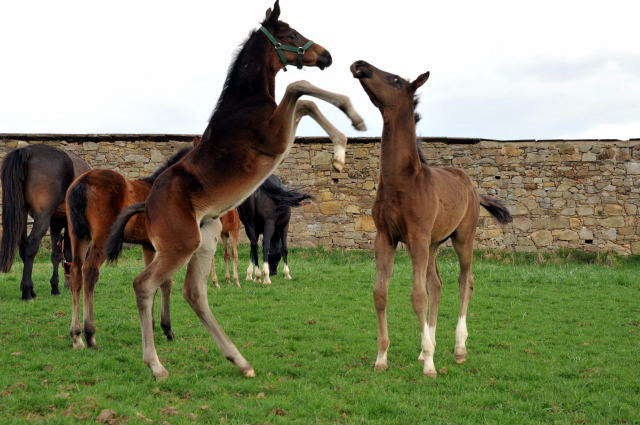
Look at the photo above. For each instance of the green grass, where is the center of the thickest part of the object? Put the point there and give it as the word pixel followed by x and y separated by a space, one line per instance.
pixel 552 340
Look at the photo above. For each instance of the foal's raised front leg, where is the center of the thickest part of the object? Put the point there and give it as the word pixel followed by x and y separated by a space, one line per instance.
pixel 310 109
pixel 284 118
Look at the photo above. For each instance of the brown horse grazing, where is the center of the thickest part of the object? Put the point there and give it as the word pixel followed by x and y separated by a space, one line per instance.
pixel 94 201
pixel 248 136
pixel 34 181
pixel 230 231
pixel 421 206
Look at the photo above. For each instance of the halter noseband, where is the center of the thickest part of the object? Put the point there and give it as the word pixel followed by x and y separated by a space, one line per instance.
pixel 280 47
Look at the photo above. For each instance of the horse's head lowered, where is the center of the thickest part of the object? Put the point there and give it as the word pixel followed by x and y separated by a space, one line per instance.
pixel 386 90
pixel 291 47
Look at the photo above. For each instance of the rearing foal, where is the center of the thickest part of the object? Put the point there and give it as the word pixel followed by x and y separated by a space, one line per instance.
pixel 421 206
pixel 248 136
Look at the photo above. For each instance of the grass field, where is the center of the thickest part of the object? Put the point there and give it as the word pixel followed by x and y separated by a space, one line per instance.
pixel 551 341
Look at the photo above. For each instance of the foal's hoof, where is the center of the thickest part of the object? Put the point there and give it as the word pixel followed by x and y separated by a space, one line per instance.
pixel 55 291
pixel 168 332
pixel 380 366
pixel 161 374
pixel 249 373
pixel 460 355
pixel 237 283
pixel 28 295
pixel 432 374
pixel 359 124
pixel 77 344
pixel 337 165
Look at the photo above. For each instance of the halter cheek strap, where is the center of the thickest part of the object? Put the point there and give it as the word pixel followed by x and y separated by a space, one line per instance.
pixel 280 47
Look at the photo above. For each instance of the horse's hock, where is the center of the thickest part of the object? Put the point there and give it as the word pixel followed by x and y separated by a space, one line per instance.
pixel 582 194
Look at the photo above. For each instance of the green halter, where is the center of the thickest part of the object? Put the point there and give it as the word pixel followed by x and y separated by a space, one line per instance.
pixel 280 47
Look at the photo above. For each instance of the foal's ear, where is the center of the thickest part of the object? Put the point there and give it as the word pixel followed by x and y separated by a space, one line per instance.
pixel 418 82
pixel 272 15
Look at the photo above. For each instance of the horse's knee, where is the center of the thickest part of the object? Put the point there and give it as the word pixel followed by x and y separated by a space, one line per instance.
pixel 380 298
pixel 298 88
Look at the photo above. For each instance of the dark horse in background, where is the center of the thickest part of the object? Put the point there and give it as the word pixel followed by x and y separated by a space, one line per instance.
pixel 267 212
pixel 35 179
pixel 94 201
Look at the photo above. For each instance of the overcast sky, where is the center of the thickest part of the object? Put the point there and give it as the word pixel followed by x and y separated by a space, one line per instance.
pixel 499 69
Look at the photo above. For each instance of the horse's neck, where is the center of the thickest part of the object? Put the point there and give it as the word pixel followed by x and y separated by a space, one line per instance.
pixel 399 156
pixel 251 85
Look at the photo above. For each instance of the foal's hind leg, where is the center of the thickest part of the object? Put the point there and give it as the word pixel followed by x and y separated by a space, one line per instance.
pixel 385 251
pixel 284 250
pixel 269 228
pixel 195 292
pixel 56 253
pixel 227 258
pixel 79 250
pixel 234 255
pixel 90 276
pixel 464 250
pixel 165 288
pixel 214 272
pixel 28 250
pixel 253 255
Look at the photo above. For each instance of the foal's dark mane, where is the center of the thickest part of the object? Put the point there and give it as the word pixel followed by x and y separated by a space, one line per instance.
pixel 172 160
pixel 245 75
pixel 416 118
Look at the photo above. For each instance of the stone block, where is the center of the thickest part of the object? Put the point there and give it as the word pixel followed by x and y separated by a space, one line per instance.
pixel 614 221
pixel 331 207
pixel 585 234
pixel 522 223
pixel 633 167
pixel 365 224
pixel 565 235
pixel 542 238
pixel 613 209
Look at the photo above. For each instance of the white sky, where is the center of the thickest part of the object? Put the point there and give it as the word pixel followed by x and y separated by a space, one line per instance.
pixel 499 69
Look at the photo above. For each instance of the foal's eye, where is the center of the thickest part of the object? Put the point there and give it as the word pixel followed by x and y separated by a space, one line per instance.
pixel 293 36
pixel 396 81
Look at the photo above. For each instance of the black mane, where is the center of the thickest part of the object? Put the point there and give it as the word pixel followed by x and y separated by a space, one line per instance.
pixel 416 118
pixel 244 78
pixel 172 160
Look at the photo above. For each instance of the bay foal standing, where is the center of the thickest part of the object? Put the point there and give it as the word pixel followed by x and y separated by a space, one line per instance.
pixel 421 206
pixel 230 232
pixel 248 136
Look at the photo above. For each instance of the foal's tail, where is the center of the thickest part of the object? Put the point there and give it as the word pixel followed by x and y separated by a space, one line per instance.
pixel 77 210
pixel 116 235
pixel 14 210
pixel 496 208
pixel 282 195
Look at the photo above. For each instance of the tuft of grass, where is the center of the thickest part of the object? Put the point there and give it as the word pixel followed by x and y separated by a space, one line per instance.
pixel 553 339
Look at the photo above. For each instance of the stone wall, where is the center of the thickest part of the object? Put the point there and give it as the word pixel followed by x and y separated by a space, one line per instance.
pixel 582 194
